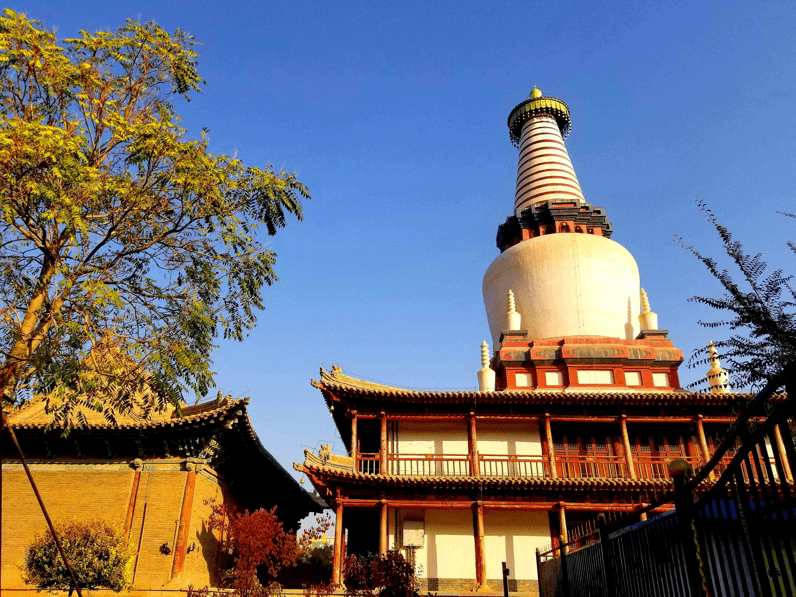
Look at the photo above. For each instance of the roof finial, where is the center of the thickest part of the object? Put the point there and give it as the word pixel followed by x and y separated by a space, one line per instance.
pixel 717 376
pixel 486 377
pixel 648 320
pixel 513 318
pixel 536 93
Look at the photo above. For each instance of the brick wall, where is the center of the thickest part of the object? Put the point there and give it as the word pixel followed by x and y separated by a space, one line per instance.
pixel 155 520
pixel 83 491
pixel 200 564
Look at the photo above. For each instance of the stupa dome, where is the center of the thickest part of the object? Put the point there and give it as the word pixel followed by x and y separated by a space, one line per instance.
pixel 565 285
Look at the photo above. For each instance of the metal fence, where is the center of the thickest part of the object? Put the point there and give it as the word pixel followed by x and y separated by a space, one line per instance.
pixel 737 540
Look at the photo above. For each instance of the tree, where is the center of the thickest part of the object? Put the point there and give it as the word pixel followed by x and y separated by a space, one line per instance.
pixel 100 554
pixel 127 246
pixel 257 547
pixel 760 312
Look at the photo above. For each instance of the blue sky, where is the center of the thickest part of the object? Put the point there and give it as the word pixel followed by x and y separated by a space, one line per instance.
pixel 394 115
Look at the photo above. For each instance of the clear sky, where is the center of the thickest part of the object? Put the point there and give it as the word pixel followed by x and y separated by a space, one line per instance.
pixel 394 115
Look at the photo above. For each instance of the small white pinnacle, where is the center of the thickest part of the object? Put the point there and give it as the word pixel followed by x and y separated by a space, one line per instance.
pixel 645 302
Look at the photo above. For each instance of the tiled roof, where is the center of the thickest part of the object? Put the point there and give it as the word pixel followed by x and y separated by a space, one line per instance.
pixel 467 482
pixel 339 384
pixel 33 415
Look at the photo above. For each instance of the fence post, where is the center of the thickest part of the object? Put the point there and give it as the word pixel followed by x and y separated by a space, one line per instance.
pixel 506 573
pixel 608 568
pixel 564 574
pixel 681 471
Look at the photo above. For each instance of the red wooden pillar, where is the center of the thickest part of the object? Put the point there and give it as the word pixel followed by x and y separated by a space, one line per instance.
pixel 383 445
pixel 472 446
pixel 354 446
pixel 480 549
pixel 562 523
pixel 551 456
pixel 337 563
pixel 383 546
pixel 631 466
pixel 703 443
pixel 185 520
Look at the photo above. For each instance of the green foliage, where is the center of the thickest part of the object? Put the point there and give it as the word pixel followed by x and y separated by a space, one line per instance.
pixel 759 311
pixel 99 553
pixel 128 247
pixel 386 576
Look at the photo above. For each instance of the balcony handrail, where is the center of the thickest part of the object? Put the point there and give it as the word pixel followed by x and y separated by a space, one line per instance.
pixel 513 457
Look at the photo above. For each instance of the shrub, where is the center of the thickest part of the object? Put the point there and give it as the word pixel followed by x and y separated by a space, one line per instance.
pixel 387 576
pixel 98 552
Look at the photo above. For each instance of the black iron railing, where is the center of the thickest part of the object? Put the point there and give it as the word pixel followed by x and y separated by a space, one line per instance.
pixel 737 539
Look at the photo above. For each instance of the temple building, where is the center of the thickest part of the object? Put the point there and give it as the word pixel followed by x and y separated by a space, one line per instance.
pixel 579 407
pixel 154 477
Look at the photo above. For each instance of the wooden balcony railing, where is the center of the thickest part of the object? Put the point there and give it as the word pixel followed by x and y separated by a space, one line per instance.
pixel 518 466
pixel 606 467
pixel 368 463
pixel 501 465
pixel 429 465
pixel 651 467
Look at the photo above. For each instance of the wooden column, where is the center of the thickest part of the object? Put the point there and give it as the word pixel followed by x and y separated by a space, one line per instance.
pixel 383 545
pixel 185 520
pixel 128 522
pixel 354 446
pixel 480 549
pixel 383 445
pixel 703 444
pixel 551 456
pixel 337 563
pixel 472 446
pixel 631 466
pixel 562 523
pixel 782 454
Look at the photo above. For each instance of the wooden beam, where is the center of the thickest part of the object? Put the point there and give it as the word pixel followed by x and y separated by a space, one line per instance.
pixel 491 505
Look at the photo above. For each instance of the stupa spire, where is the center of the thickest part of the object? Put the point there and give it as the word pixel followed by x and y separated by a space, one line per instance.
pixel 544 172
pixel 717 376
pixel 647 320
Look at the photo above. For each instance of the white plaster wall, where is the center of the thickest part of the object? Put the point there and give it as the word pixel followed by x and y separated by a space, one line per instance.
pixel 434 437
pixel 449 548
pixel 565 285
pixel 504 438
pixel 512 536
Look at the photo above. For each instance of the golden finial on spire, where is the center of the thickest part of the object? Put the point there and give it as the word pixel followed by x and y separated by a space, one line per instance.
pixel 648 320
pixel 536 93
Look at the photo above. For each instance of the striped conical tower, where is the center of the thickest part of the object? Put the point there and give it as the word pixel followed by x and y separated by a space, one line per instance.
pixel 544 172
